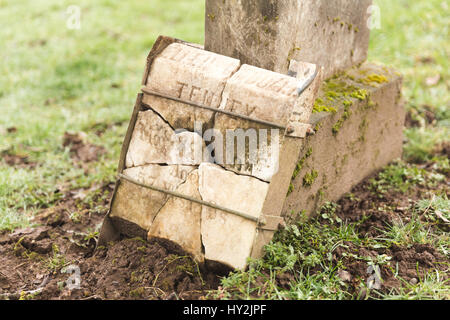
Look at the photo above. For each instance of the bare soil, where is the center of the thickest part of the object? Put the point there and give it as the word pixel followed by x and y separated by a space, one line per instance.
pixel 80 150
pixel 32 259
pixel 17 160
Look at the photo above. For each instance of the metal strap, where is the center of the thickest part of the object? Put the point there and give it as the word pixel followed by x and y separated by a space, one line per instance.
pixel 301 88
pixel 305 85
pixel 197 105
pixel 182 196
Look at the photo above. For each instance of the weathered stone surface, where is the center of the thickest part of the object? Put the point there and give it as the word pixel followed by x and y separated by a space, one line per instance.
pixel 289 155
pixel 352 143
pixel 263 95
pixel 166 177
pixel 228 238
pixel 269 33
pixel 155 142
pixel 151 155
pixel 140 205
pixel 179 219
pixel 190 74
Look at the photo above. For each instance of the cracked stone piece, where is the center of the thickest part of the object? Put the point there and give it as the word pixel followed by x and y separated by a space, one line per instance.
pixel 228 238
pixel 179 219
pixel 155 142
pixel 140 205
pixel 190 74
pixel 269 33
pixel 262 95
pixel 289 158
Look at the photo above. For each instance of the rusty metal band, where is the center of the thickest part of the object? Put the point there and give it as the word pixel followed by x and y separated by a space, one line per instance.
pixel 201 202
pixel 197 105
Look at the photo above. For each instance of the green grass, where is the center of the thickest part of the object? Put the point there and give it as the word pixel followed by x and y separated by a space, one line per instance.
pixel 414 39
pixel 54 80
pixel 306 253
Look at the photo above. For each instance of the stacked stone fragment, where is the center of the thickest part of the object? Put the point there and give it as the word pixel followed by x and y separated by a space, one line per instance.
pixel 181 80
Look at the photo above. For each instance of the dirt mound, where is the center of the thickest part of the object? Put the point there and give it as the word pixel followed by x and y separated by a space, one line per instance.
pixel 17 160
pixel 137 269
pixel 374 214
pixel 33 261
pixel 80 150
pixel 410 264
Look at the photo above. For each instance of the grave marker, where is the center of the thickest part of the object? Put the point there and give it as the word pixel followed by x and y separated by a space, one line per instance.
pixel 221 211
pixel 354 136
pixel 168 189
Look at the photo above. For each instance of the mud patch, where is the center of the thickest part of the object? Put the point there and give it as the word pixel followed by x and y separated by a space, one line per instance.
pixel 16 160
pixel 418 118
pixel 33 260
pixel 80 150
pixel 101 127
pixel 137 269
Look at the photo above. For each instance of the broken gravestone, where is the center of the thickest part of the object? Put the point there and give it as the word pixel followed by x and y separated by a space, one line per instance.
pixel 357 118
pixel 177 181
pixel 270 33
pixel 207 159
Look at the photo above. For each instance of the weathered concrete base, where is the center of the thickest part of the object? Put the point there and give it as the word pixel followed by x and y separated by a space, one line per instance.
pixel 353 142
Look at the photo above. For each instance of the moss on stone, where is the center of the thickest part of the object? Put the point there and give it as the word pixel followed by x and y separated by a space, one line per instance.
pixel 301 163
pixel 319 106
pixel 310 178
pixel 345 116
pixel 373 79
pixel 291 189
pixel 360 94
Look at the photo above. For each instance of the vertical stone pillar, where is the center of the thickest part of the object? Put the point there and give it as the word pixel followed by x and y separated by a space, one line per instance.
pixel 269 33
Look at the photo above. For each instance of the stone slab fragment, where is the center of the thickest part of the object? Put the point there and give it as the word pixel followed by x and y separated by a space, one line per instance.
pixel 263 95
pixel 154 142
pixel 228 238
pixel 352 143
pixel 179 219
pixel 140 205
pixel 151 155
pixel 190 74
pixel 269 33
pixel 290 153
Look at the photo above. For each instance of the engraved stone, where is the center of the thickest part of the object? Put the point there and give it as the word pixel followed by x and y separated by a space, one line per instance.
pixel 262 95
pixel 228 238
pixel 190 74
pixel 155 142
pixel 157 154
pixel 179 219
